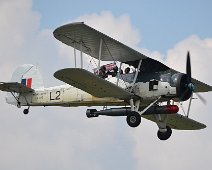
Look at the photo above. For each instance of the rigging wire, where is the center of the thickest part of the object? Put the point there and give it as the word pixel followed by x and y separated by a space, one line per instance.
pixel 91 61
pixel 114 60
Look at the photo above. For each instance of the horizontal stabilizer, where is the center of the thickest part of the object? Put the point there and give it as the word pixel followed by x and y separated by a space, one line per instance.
pixel 15 87
pixel 179 122
pixel 91 84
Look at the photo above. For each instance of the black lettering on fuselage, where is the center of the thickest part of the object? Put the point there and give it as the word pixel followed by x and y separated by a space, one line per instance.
pixel 55 96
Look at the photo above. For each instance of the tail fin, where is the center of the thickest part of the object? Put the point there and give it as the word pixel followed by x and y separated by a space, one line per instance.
pixel 29 76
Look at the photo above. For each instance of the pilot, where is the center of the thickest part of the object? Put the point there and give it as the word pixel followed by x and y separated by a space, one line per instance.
pixel 115 71
pixel 102 72
pixel 127 70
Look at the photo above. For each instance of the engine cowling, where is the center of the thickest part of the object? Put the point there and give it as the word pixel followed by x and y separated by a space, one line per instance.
pixel 180 81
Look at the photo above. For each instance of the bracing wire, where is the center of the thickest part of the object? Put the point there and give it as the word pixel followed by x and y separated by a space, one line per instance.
pixel 113 59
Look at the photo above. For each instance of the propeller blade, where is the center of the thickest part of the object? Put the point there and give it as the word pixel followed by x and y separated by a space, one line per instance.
pixel 201 98
pixel 189 106
pixel 184 94
pixel 188 67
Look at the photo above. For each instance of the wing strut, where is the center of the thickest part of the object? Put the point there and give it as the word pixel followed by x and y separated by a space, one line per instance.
pixel 117 83
pixel 143 111
pixel 136 74
pixel 81 55
pixel 100 53
pixel 75 56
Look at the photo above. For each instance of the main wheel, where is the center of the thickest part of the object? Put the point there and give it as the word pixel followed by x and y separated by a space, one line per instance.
pixel 165 135
pixel 134 119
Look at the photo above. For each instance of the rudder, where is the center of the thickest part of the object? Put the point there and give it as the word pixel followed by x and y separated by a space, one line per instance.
pixel 29 76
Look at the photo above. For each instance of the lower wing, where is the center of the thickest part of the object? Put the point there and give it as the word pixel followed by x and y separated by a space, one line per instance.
pixel 91 84
pixel 179 122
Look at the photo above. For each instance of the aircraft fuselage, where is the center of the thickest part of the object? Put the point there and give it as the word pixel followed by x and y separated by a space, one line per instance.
pixel 64 95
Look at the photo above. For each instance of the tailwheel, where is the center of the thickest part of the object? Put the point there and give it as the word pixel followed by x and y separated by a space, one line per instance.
pixel 133 119
pixel 165 135
pixel 26 111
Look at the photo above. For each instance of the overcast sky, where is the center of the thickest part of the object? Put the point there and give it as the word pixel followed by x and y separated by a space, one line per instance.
pixel 63 138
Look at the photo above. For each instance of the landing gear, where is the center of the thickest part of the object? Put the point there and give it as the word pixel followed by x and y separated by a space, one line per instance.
pixel 18 104
pixel 133 119
pixel 26 111
pixel 165 135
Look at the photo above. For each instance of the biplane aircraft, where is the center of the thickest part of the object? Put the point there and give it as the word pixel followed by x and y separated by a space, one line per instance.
pixel 145 88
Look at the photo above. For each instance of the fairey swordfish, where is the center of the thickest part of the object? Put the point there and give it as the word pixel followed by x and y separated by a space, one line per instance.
pixel 146 88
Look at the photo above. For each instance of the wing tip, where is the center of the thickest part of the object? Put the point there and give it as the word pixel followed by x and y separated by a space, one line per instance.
pixel 57 31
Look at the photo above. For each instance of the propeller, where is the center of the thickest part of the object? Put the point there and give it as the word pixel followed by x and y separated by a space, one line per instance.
pixel 190 85
pixel 201 98
pixel 188 73
pixel 188 67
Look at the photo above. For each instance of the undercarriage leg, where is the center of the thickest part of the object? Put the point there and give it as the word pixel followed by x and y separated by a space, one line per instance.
pixel 132 105
pixel 134 118
pixel 164 131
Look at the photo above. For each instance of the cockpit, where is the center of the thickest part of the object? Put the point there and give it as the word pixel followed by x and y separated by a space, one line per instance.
pixel 124 73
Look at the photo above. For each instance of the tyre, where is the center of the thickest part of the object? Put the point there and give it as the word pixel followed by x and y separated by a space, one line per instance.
pixel 26 111
pixel 165 135
pixel 133 119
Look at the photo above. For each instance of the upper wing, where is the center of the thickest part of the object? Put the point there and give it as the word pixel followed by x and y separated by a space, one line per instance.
pixel 75 34
pixel 90 83
pixel 15 87
pixel 179 122
pixel 78 33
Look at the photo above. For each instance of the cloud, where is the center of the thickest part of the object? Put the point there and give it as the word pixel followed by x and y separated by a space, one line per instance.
pixel 200 51
pixel 16 28
pixel 107 23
